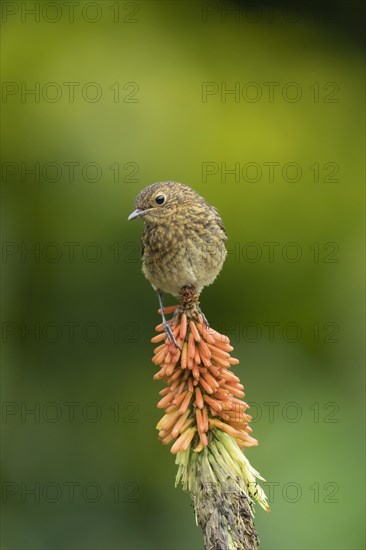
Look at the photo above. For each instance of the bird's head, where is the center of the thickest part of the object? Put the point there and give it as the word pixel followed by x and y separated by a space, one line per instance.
pixel 156 203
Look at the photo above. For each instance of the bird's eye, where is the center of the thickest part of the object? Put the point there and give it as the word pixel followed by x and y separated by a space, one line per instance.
pixel 160 199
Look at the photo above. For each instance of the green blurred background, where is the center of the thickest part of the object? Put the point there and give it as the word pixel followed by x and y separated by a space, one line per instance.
pixel 140 113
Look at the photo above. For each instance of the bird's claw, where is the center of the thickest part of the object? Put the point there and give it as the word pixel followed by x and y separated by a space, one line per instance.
pixel 169 333
pixel 204 319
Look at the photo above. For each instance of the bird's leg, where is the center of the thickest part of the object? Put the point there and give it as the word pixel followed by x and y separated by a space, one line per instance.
pixel 204 318
pixel 166 325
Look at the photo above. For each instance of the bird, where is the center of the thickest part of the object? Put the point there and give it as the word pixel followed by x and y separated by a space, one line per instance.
pixel 183 241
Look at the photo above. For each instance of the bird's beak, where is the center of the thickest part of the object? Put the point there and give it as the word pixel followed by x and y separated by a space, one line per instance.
pixel 135 214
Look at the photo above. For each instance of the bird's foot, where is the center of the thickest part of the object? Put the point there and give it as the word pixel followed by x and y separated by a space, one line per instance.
pixel 169 333
pixel 167 324
pixel 204 318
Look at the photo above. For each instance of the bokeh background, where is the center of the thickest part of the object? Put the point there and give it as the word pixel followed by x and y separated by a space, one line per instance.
pixel 126 94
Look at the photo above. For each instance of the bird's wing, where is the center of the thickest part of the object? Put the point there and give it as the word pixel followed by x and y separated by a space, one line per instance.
pixel 221 225
pixel 219 221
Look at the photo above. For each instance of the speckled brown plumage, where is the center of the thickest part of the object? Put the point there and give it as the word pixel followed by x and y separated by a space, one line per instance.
pixel 183 239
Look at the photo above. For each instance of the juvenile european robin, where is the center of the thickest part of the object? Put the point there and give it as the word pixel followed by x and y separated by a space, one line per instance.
pixel 183 242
